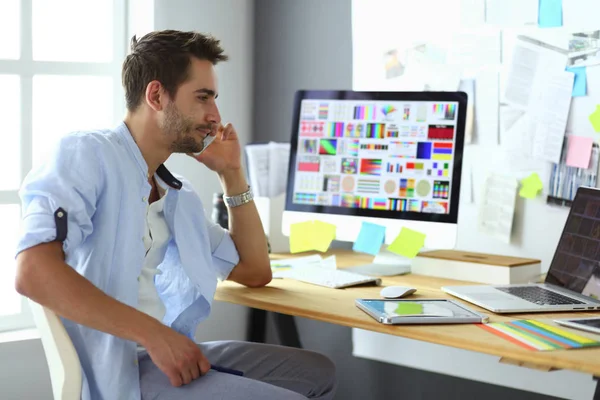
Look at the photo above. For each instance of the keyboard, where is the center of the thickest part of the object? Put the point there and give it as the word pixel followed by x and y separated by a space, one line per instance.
pixel 538 295
pixel 331 278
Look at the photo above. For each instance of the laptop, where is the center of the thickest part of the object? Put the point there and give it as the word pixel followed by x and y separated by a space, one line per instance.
pixel 573 280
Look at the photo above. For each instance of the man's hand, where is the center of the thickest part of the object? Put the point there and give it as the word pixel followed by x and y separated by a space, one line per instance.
pixel 176 355
pixel 224 153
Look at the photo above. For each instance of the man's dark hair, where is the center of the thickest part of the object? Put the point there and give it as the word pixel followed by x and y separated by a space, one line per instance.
pixel 165 56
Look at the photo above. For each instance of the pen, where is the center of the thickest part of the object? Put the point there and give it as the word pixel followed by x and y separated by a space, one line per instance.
pixel 226 370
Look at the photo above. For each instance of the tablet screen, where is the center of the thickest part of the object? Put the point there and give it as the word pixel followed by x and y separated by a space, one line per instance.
pixel 422 308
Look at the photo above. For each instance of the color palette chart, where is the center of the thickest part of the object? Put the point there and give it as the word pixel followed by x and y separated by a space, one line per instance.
pixel 540 336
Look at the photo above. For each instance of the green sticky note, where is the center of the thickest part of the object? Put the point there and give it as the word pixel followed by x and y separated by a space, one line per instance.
pixel 301 237
pixel 409 308
pixel 531 186
pixel 408 243
pixel 595 119
pixel 323 235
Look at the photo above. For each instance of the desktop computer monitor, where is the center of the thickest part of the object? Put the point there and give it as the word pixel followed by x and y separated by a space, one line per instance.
pixel 390 158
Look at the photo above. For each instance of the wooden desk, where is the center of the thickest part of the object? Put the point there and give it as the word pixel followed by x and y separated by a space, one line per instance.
pixel 337 306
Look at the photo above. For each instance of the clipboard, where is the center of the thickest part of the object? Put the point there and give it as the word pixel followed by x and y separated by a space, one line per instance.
pixel 422 311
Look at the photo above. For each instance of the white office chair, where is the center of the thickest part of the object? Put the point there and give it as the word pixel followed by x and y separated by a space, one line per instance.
pixel 61 356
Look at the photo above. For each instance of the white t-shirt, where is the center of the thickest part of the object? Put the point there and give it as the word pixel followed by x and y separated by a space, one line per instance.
pixel 156 239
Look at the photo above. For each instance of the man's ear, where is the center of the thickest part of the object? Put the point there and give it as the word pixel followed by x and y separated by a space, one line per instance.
pixel 155 95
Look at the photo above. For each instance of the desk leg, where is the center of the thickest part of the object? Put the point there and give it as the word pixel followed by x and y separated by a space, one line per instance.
pixel 257 326
pixel 287 331
pixel 597 392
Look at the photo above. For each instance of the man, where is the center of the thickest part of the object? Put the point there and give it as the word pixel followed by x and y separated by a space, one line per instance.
pixel 121 249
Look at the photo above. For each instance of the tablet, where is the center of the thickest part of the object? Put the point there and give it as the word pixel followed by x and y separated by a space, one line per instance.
pixel 425 311
pixel 590 324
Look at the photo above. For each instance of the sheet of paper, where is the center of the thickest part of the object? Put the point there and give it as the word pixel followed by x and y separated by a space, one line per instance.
pixel 288 263
pixel 486 107
pixel 508 118
pixel 408 243
pixel 581 14
pixel 329 262
pixel 257 156
pixel 468 86
pixel 511 12
pixel 595 119
pixel 279 158
pixel 497 208
pixel 531 186
pixel 579 151
pixel 550 13
pixel 551 111
pixel 580 84
pixel 370 238
pixel 531 64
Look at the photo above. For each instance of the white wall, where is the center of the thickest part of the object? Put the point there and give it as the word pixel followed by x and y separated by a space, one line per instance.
pixel 232 22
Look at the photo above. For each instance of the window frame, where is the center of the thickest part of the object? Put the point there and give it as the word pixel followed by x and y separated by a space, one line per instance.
pixel 25 67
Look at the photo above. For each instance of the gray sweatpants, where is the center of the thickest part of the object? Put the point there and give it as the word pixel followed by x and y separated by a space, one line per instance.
pixel 270 372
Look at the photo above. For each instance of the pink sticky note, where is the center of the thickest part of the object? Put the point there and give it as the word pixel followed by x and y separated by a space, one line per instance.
pixel 579 151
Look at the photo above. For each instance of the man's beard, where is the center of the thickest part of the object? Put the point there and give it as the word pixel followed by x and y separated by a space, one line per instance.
pixel 184 130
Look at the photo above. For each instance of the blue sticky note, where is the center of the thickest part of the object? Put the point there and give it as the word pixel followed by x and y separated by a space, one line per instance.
pixel 370 238
pixel 580 83
pixel 550 13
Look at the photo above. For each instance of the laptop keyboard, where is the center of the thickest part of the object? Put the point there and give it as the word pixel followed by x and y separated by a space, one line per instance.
pixel 538 295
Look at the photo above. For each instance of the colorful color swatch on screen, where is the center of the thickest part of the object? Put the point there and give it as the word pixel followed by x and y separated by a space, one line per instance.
pixel 350 201
pixel 312 129
pixel 407 188
pixel 364 112
pixel 323 111
pixel 309 146
pixel 444 111
pixel 442 151
pixel 406 113
pixel 424 150
pixel 440 132
pixel 349 166
pixel 373 203
pixel 354 130
pixel 309 164
pixel 335 129
pixel 328 147
pixel 537 335
pixel 375 131
pixel 374 147
pixel 415 166
pixel 368 186
pixel 370 167
pixel 439 170
pixel 305 198
pixel 386 111
pixel 435 207
pixel 394 168
pixel 404 205
pixel 441 189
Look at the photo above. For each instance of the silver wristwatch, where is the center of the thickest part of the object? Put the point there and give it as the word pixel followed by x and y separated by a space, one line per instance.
pixel 239 199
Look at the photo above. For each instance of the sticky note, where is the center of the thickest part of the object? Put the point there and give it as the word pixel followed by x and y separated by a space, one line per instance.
pixel 579 151
pixel 407 308
pixel 408 243
pixel 550 13
pixel 580 82
pixel 595 119
pixel 311 235
pixel 370 238
pixel 531 186
pixel 323 235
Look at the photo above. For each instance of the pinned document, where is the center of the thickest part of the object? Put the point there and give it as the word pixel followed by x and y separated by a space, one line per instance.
pixel 595 119
pixel 408 243
pixel 580 84
pixel 579 151
pixel 370 238
pixel 531 186
pixel 550 14
pixel 311 235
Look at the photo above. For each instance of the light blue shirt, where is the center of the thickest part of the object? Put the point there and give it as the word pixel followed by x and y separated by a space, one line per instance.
pixel 100 179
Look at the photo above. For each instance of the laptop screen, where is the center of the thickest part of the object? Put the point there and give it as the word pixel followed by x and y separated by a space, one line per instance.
pixel 576 263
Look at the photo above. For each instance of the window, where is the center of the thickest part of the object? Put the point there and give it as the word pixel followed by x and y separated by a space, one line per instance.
pixel 60 67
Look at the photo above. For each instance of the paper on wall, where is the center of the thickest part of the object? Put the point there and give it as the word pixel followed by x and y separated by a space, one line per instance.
pixel 497 207
pixel 486 107
pixel 268 167
pixel 279 157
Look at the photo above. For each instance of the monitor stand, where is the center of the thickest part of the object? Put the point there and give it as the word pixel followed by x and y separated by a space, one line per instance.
pixel 385 263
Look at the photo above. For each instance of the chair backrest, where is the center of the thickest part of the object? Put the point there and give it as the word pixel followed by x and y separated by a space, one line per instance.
pixel 61 356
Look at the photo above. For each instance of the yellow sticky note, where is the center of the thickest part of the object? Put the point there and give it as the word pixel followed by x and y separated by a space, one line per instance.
pixel 311 235
pixel 323 235
pixel 301 237
pixel 408 243
pixel 595 119
pixel 531 186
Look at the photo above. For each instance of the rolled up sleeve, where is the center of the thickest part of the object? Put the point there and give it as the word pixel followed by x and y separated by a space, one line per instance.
pixel 224 253
pixel 69 181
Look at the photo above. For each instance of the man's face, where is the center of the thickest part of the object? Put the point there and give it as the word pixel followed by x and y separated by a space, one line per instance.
pixel 193 114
